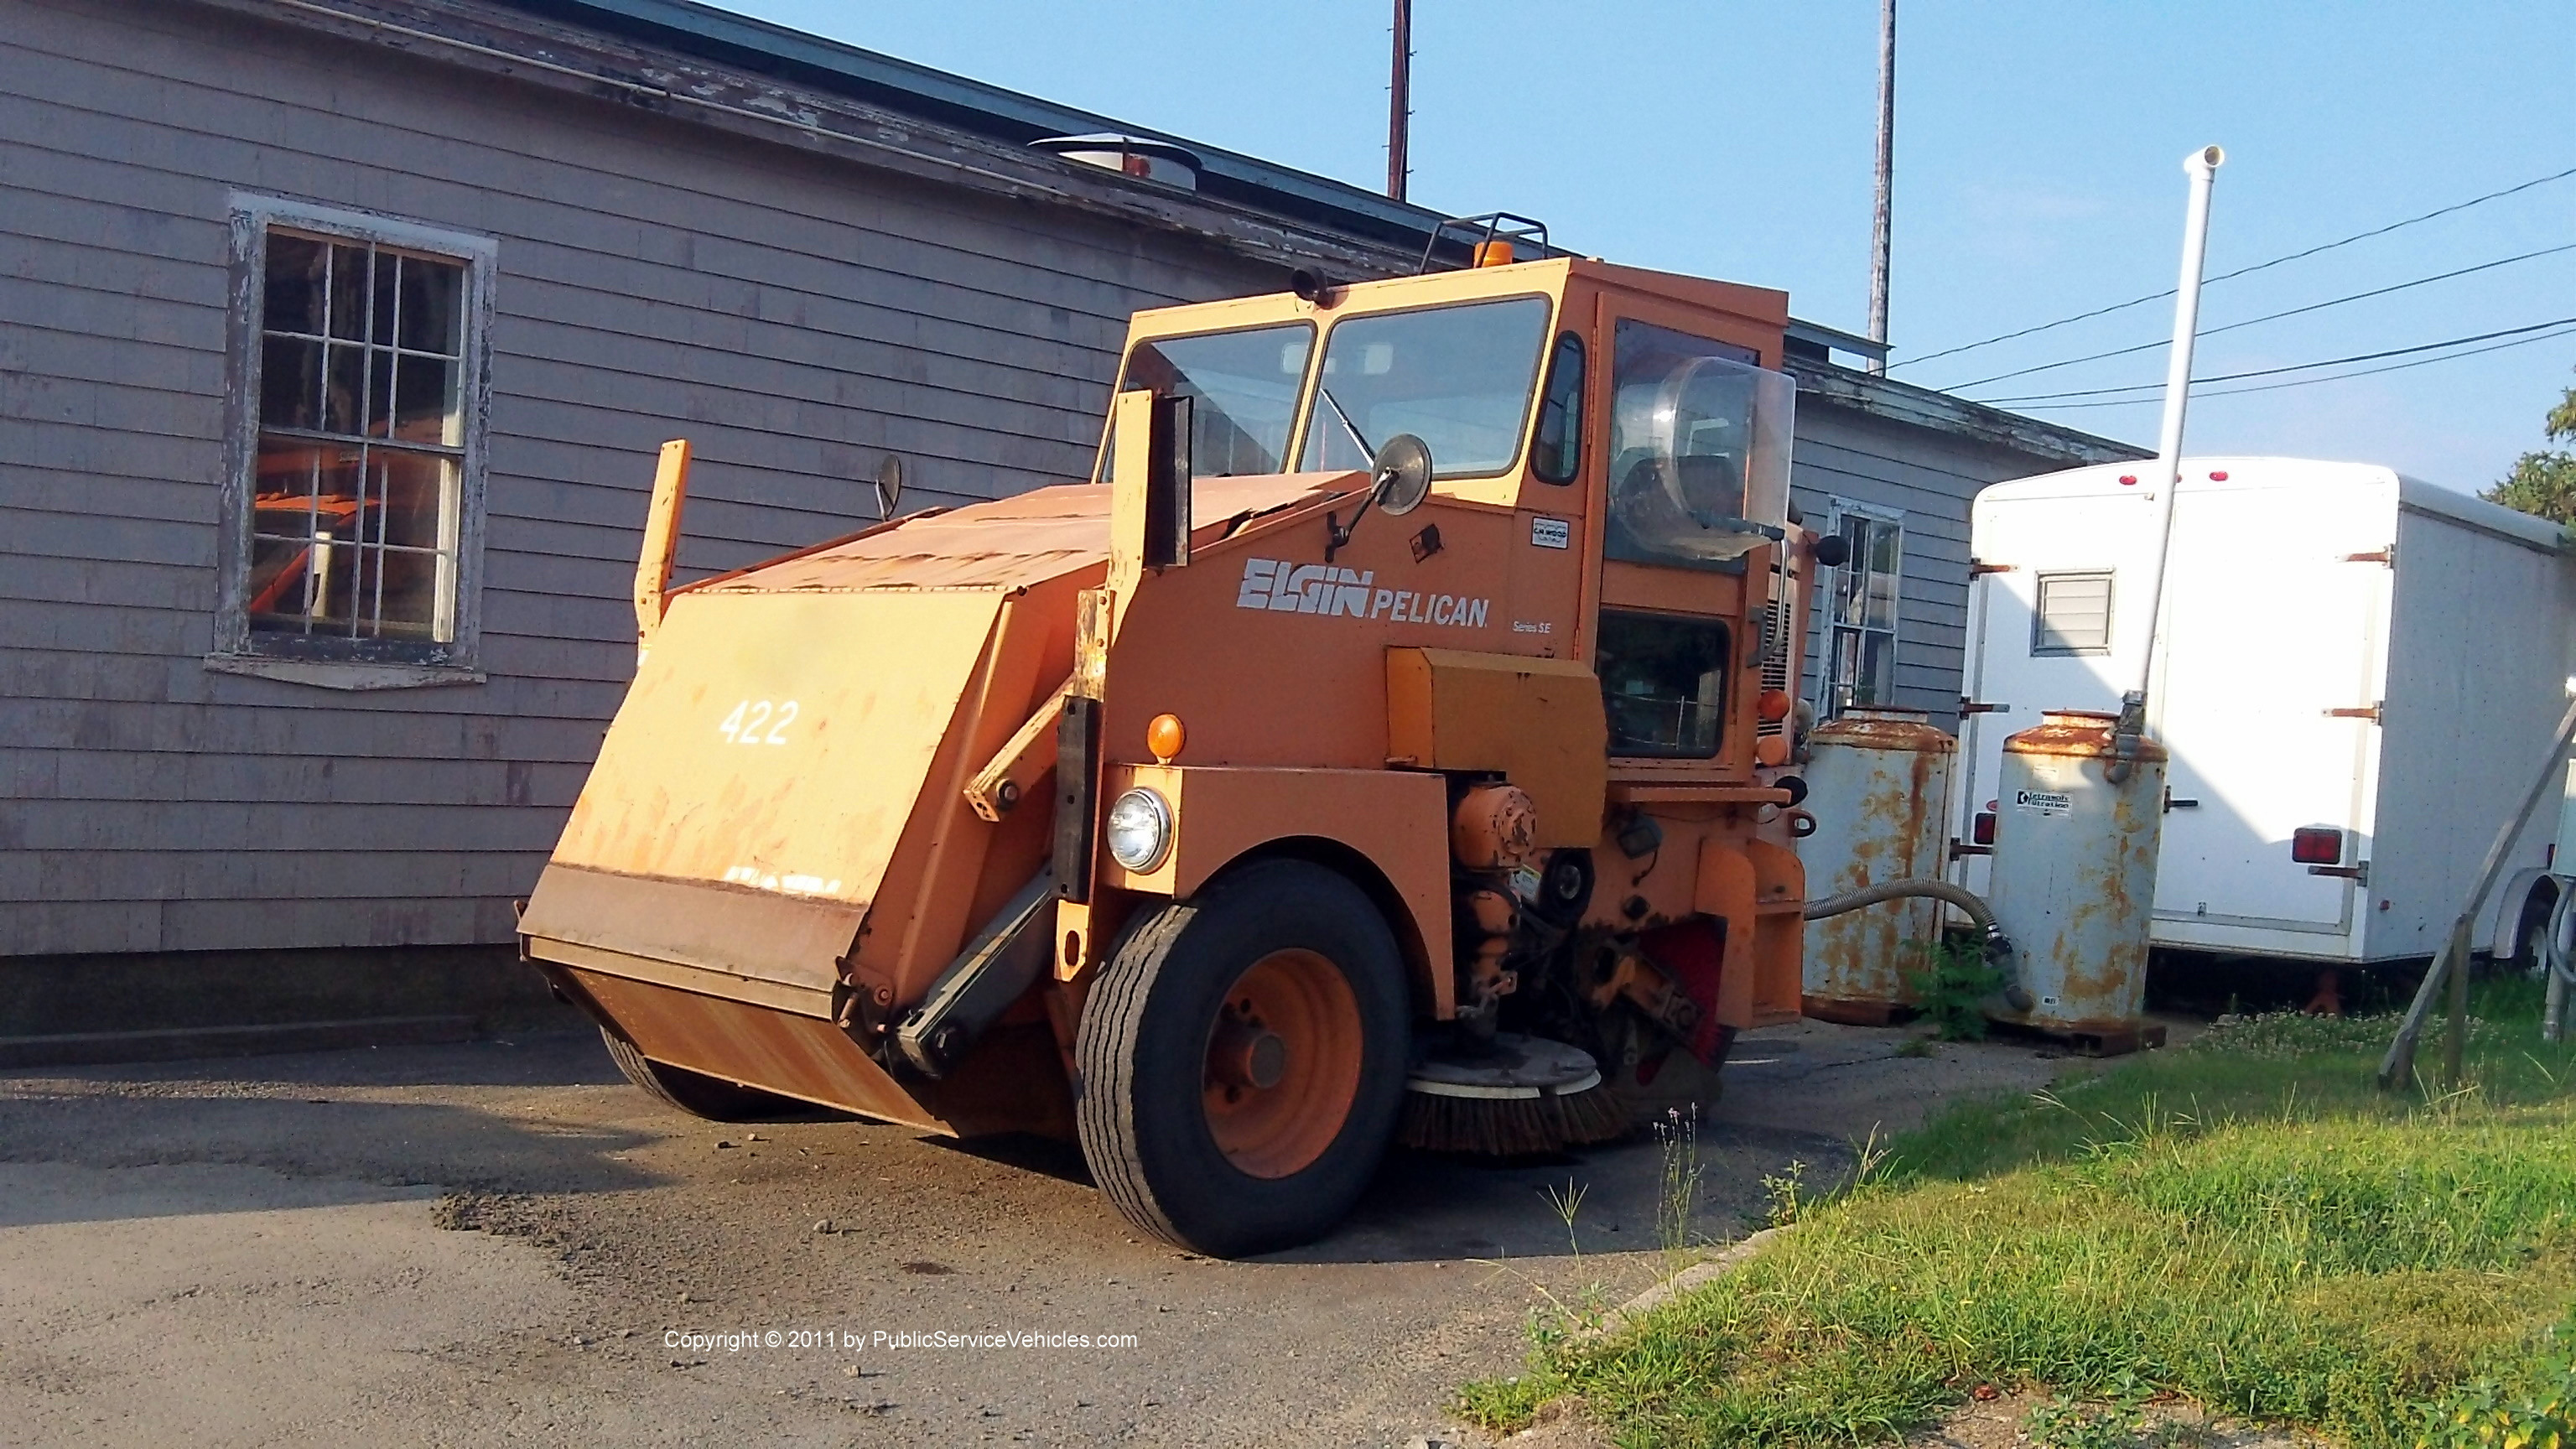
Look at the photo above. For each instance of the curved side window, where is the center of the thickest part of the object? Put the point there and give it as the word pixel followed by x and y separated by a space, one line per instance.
pixel 1556 455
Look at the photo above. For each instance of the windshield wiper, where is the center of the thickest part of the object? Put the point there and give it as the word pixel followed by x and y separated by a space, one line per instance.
pixel 1368 455
pixel 1337 534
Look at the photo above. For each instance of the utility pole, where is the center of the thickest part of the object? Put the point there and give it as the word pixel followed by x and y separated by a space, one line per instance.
pixel 1886 179
pixel 1399 101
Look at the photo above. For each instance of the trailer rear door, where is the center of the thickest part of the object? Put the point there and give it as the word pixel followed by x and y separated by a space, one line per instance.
pixel 2273 652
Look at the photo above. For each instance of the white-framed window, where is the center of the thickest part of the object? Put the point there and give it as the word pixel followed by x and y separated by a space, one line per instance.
pixel 353 496
pixel 1861 606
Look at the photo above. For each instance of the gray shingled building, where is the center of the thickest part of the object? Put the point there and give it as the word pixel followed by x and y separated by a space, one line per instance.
pixel 338 336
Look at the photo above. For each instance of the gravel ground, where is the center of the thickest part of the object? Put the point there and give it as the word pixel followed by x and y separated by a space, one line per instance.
pixel 501 1242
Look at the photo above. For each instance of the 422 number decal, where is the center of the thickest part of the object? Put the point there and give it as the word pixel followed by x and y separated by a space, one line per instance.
pixel 759 722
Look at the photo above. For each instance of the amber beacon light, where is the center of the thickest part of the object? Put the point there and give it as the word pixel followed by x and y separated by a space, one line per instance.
pixel 1164 736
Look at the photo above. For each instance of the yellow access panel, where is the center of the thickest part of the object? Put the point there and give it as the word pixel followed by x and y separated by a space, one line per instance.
pixel 773 745
pixel 1536 720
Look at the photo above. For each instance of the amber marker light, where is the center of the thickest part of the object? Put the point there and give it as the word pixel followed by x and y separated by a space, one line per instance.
pixel 1165 737
pixel 1771 750
pixel 1772 705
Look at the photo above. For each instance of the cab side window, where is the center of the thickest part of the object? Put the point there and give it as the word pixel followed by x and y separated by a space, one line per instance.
pixel 1557 453
pixel 1663 684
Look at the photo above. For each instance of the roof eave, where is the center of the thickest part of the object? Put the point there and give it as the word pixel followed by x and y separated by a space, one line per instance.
pixel 1903 402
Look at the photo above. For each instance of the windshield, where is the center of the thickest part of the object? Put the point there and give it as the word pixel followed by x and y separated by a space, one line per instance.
pixel 1459 378
pixel 1244 390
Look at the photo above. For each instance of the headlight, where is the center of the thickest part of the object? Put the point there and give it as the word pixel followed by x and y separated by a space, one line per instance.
pixel 1139 830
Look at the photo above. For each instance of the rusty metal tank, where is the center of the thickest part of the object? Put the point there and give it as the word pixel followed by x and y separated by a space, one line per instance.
pixel 2075 877
pixel 1878 783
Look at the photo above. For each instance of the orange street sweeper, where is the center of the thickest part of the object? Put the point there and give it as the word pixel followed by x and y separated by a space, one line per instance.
pixel 1382 746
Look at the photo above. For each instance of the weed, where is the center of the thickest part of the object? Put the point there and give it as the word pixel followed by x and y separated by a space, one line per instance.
pixel 2182 1434
pixel 1914 1046
pixel 1677 1197
pixel 1787 1192
pixel 2539 1413
pixel 1870 1158
pixel 1567 1204
pixel 2067 1423
pixel 1952 988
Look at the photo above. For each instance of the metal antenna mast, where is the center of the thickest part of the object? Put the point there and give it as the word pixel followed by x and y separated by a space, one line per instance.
pixel 1399 101
pixel 1886 180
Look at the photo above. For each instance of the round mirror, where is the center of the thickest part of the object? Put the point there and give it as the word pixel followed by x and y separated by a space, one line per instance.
pixel 1833 550
pixel 1403 474
pixel 889 485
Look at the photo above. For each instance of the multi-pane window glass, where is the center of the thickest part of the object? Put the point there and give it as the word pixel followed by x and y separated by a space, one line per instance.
pixel 2073 614
pixel 360 466
pixel 1860 662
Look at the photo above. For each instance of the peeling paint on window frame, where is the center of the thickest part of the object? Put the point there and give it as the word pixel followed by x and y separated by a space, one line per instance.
pixel 321 660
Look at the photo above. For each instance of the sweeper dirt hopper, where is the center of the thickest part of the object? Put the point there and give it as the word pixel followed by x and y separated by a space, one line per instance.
pixel 1381 746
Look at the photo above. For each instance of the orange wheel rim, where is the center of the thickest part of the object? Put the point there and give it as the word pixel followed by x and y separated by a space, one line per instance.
pixel 1283 1063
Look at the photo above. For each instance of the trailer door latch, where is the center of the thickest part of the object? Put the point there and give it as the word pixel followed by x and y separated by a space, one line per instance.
pixel 2369 712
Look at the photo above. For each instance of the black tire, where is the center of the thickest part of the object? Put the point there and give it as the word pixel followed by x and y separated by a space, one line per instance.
pixel 697 1094
pixel 1148 1041
pixel 2532 927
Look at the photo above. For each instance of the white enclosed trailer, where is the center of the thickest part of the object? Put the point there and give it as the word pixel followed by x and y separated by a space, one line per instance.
pixel 2343 648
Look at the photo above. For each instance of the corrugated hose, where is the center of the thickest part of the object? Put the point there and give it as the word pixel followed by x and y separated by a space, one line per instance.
pixel 1999 950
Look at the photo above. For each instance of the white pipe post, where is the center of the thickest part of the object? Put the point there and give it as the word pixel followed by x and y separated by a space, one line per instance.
pixel 2202 167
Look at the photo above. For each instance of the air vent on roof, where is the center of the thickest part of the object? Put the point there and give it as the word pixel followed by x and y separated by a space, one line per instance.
pixel 1129 156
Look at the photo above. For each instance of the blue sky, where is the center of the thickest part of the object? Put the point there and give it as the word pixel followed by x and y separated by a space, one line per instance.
pixel 2039 151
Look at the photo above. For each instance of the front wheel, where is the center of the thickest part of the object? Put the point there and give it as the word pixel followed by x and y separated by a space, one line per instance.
pixel 1242 1060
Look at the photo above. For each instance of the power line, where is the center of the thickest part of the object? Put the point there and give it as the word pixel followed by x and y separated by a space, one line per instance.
pixel 2268 317
pixel 2243 271
pixel 2131 402
pixel 2292 367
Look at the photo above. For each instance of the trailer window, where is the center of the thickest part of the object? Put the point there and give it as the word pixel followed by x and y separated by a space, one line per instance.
pixel 1663 684
pixel 1459 378
pixel 1243 387
pixel 2072 614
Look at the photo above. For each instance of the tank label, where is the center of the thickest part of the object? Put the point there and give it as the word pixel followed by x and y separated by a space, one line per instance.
pixel 1292 588
pixel 2043 802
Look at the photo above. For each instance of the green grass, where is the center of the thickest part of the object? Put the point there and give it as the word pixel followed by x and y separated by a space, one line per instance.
pixel 2247 1223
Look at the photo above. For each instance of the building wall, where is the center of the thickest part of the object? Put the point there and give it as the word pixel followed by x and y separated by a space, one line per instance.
pixel 794 315
pixel 1929 476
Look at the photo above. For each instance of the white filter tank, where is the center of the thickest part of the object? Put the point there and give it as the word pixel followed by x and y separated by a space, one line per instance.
pixel 2074 877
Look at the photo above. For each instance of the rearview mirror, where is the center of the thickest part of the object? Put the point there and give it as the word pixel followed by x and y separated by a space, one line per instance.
pixel 1402 472
pixel 889 486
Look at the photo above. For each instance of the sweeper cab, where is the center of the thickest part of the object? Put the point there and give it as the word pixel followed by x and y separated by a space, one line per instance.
pixel 1380 746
